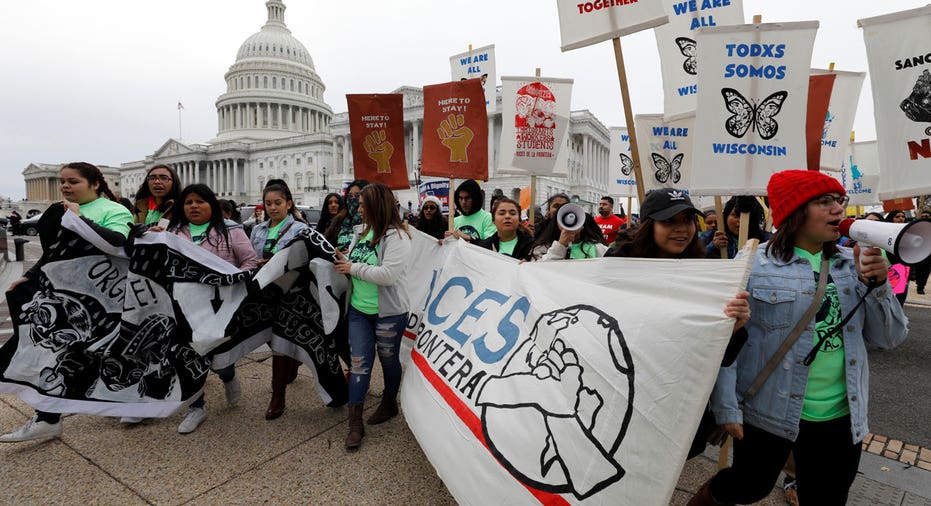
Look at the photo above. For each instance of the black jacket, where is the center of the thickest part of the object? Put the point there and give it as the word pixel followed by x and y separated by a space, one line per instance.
pixel 521 250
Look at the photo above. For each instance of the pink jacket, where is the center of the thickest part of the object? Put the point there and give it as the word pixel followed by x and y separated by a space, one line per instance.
pixel 238 252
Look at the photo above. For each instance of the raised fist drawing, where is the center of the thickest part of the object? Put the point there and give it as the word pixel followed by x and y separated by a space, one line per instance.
pixel 380 150
pixel 456 137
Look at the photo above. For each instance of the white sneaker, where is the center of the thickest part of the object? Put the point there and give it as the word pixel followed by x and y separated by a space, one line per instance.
pixel 233 391
pixel 31 430
pixel 131 420
pixel 193 419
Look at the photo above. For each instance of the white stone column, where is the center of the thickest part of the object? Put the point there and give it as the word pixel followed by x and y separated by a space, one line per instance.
pixel 491 146
pixel 415 143
pixel 346 155
pixel 334 168
pixel 228 187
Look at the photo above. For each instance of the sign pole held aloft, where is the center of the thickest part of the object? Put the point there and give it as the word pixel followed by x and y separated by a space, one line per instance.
pixel 722 222
pixel 533 184
pixel 452 205
pixel 628 115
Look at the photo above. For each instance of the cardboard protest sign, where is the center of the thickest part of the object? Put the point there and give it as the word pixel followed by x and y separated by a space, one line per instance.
pixel 438 189
pixel 555 396
pixel 622 180
pixel 455 137
pixel 376 129
pixel 897 48
pixel 678 52
pixel 586 22
pixel 535 122
pixel 752 105
pixel 838 122
pixel 665 151
pixel 478 64
pixel 859 173
pixel 819 97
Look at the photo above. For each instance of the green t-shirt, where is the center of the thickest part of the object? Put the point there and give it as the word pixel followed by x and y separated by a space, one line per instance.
pixel 364 293
pixel 271 240
pixel 586 250
pixel 344 239
pixel 478 226
pixel 507 247
pixel 826 391
pixel 198 232
pixel 108 214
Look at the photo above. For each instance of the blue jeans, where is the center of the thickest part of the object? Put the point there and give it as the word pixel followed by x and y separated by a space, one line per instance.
pixel 366 333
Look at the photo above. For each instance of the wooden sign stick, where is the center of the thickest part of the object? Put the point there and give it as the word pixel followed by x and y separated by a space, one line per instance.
pixel 628 116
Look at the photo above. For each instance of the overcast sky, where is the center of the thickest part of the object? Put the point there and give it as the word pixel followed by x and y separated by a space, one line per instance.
pixel 99 80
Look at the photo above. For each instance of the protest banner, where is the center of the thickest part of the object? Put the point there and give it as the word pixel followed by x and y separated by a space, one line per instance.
pixel 535 122
pixel 621 182
pixel 859 173
pixel 666 148
pixel 838 123
pixel 819 97
pixel 376 129
pixel 455 123
pixel 583 23
pixel 677 48
pixel 477 64
pixel 752 105
pixel 438 189
pixel 553 396
pixel 897 49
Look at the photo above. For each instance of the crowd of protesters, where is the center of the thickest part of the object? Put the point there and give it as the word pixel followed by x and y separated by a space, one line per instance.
pixel 810 412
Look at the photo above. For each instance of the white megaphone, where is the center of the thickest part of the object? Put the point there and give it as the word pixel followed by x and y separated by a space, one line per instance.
pixel 570 217
pixel 911 242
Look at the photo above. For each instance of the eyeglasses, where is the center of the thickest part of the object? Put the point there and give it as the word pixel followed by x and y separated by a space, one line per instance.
pixel 158 177
pixel 828 201
pixel 430 208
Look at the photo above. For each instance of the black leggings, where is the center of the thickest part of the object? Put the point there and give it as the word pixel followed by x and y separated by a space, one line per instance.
pixel 826 462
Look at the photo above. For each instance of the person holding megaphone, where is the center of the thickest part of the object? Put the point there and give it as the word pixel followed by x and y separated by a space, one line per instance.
pixel 571 234
pixel 801 382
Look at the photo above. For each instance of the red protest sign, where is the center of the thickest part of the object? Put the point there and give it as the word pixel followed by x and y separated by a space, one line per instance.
pixel 455 123
pixel 376 129
pixel 819 98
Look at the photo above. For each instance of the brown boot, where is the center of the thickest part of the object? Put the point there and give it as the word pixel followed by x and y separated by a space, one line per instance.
pixel 703 497
pixel 386 410
pixel 356 427
pixel 281 372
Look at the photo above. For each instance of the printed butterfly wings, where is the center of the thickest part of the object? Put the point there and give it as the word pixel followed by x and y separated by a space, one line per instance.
pixel 627 164
pixel 762 116
pixel 666 170
pixel 687 48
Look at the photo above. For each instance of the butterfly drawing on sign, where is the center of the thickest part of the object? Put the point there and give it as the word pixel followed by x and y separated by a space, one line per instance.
pixel 687 47
pixel 666 170
pixel 627 164
pixel 761 116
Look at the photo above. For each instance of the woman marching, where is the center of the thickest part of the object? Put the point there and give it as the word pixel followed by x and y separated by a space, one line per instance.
pixel 811 399
pixel 332 205
pixel 553 242
pixel 157 195
pixel 726 235
pixel 283 224
pixel 510 239
pixel 198 219
pixel 340 231
pixel 88 196
pixel 431 221
pixel 378 305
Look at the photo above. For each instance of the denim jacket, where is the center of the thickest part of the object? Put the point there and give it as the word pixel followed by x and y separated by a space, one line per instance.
pixel 260 234
pixel 780 293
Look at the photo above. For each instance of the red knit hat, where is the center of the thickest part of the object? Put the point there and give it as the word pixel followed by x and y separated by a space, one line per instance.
pixel 790 189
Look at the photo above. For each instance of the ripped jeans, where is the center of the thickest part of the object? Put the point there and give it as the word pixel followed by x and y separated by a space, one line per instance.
pixel 366 334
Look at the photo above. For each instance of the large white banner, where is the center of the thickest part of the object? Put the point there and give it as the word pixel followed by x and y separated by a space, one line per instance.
pixel 535 122
pixel 665 151
pixel 622 181
pixel 677 50
pixel 586 22
pixel 477 63
pixel 835 137
pixel 752 105
pixel 898 47
pixel 520 393
pixel 860 174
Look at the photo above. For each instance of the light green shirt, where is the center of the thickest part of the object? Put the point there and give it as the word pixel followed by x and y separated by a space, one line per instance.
pixel 507 247
pixel 826 391
pixel 271 240
pixel 198 232
pixel 587 250
pixel 108 214
pixel 152 217
pixel 364 293
pixel 478 226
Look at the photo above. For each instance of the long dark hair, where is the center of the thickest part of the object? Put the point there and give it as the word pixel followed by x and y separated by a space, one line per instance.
pixel 892 214
pixel 144 192
pixel 521 229
pixel 93 175
pixel 746 204
pixel 381 213
pixel 437 226
pixel 588 234
pixel 179 219
pixel 325 217
pixel 782 244
pixel 643 244
pixel 278 185
pixel 332 231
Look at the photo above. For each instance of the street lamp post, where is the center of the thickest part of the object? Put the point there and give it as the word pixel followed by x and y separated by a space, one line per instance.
pixel 323 172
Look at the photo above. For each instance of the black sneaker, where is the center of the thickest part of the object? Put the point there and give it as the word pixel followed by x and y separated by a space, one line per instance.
pixel 921 291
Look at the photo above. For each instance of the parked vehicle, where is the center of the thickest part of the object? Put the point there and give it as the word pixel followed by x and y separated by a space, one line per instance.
pixel 30 226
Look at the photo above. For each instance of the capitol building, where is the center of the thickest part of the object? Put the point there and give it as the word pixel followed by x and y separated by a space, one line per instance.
pixel 272 122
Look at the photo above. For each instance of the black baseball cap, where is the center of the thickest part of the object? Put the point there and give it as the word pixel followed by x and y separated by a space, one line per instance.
pixel 666 203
